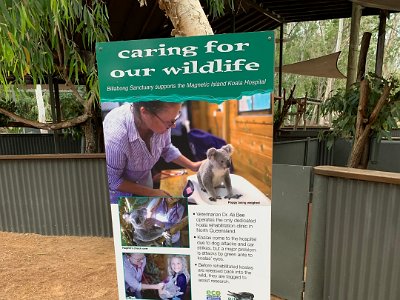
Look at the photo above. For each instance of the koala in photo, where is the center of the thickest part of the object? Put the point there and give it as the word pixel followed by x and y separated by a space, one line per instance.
pixel 215 171
pixel 169 291
pixel 144 234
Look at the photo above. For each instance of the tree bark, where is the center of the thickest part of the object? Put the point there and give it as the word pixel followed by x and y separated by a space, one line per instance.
pixel 187 17
pixel 174 229
pixel 353 44
pixel 362 59
pixel 380 48
pixel 361 120
pixel 360 151
pixel 90 136
pixel 362 108
pixel 363 139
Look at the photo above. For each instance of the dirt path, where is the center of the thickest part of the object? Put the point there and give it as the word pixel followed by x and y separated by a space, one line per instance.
pixel 52 267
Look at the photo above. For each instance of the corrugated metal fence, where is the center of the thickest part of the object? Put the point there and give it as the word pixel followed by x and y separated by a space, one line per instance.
pixel 302 152
pixel 20 144
pixel 55 195
pixel 355 235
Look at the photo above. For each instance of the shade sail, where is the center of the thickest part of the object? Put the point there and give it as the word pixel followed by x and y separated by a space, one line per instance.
pixel 324 66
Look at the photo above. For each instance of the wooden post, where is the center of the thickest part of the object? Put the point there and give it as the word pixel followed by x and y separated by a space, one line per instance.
pixel 381 43
pixel 353 45
pixel 362 59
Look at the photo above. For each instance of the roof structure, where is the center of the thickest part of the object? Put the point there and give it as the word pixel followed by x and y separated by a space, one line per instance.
pixel 129 21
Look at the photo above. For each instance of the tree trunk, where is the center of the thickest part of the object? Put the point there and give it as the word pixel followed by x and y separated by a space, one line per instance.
pixel 380 48
pixel 187 17
pixel 93 132
pixel 362 108
pixel 361 121
pixel 353 44
pixel 90 136
pixel 362 59
pixel 362 140
pixel 360 150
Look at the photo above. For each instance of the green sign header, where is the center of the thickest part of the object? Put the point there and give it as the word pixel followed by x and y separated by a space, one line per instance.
pixel 212 68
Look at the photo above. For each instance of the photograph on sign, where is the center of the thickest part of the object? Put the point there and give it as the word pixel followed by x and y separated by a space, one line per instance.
pixel 166 276
pixel 154 222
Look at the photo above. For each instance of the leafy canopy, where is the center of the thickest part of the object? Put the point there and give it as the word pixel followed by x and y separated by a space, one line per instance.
pixel 343 105
pixel 218 7
pixel 51 37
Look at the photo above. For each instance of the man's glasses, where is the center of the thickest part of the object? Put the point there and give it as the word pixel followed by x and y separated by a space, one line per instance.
pixel 169 124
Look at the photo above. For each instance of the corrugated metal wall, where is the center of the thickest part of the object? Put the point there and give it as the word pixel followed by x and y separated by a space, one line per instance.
pixel 362 240
pixel 20 144
pixel 55 195
pixel 289 224
pixel 357 254
pixel 302 152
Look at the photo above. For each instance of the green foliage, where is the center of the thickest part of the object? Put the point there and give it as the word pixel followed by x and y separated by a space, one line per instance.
pixel 19 102
pixel 343 106
pixel 218 7
pixel 42 38
pixel 57 37
pixel 9 105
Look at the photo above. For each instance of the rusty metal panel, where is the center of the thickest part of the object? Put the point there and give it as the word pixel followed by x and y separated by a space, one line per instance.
pixel 63 196
pixel 360 244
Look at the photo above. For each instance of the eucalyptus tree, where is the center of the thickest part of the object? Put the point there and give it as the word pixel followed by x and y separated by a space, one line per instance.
pixel 188 16
pixel 53 38
pixel 42 38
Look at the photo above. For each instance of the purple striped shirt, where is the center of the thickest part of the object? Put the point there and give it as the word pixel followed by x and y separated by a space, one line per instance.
pixel 126 153
pixel 133 275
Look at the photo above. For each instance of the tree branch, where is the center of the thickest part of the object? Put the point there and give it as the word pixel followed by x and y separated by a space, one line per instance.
pixel 362 107
pixel 174 229
pixel 380 103
pixel 61 125
pixel 179 226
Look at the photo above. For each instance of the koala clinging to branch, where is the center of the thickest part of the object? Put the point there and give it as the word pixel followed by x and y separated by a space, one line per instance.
pixel 215 171
pixel 143 233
